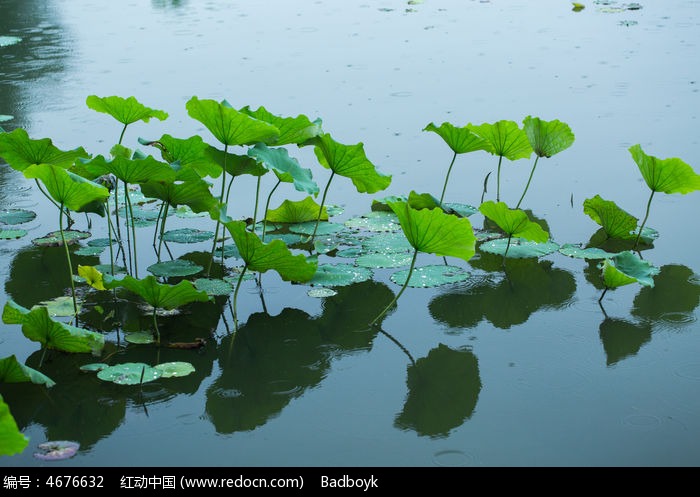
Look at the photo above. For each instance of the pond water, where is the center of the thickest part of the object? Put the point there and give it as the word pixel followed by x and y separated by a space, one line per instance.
pixel 529 370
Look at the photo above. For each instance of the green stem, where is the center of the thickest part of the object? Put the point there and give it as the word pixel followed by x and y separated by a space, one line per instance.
pixel 498 179
pixel 162 229
pixel 109 232
pixel 532 171
pixel 218 222
pixel 133 230
pixel 646 216
pixel 121 136
pixel 505 254
pixel 267 207
pixel 155 324
pixel 408 278
pixel 235 298
pixel 320 209
pixel 257 197
pixel 447 177
pixel 70 265
pixel 156 229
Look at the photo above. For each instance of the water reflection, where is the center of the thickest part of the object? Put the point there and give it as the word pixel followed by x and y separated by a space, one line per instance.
pixel 504 299
pixel 622 338
pixel 443 389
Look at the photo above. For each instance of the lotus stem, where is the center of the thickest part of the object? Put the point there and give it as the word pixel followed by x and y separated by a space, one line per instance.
pixel 320 209
pixel 408 278
pixel 162 228
pixel 133 229
pixel 447 176
pixel 121 136
pixel 486 181
pixel 498 179
pixel 155 324
pixel 505 254
pixel 235 298
pixel 646 216
pixel 267 207
pixel 70 265
pixel 532 171
pixel 218 221
pixel 603 294
pixel 257 197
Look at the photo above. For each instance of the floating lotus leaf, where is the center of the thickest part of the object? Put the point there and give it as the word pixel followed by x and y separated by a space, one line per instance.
pixel 93 367
pixel 174 369
pixel 334 210
pixel 391 260
pixel 130 373
pixel 230 250
pixel 139 337
pixel 16 216
pixel 351 252
pixel 178 267
pixel 388 242
pixel 60 306
pixel 12 371
pixel 382 204
pixel 213 286
pixel 107 269
pixel 321 292
pixel 577 251
pixel 187 235
pixel 101 242
pixel 326 245
pixel 142 216
pixel 89 251
pixel 186 212
pixel 236 274
pixel 12 441
pixel 307 228
pixel 12 234
pixel 375 221
pixel 339 275
pixel 519 248
pixel 57 451
pixel 53 239
pixel 431 276
pixel 463 210
pixel 289 239
pixel 6 41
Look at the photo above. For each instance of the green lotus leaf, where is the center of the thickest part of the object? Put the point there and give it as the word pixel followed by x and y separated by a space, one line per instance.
pixel 54 239
pixel 286 168
pixel 431 276
pixel 60 306
pixel 616 222
pixel 390 260
pixel 519 248
pixel 291 129
pixel 93 367
pixel 504 138
pixel 235 164
pixel 196 194
pixel 460 140
pixel 93 276
pixel 177 267
pixel 547 138
pixel 187 235
pixel 130 373
pixel 125 110
pixel 274 255
pixel 130 170
pixel 375 221
pixel 12 441
pixel 351 162
pixel 228 125
pixel 190 154
pixel 307 228
pixel 38 326
pixel 382 205
pixel 185 212
pixel 70 190
pixel 665 175
pixel 626 268
pixel 175 369
pixel 12 371
pixel 89 251
pixel 434 232
pixel 330 275
pixel 463 210
pixel 579 252
pixel 139 337
pixel 16 216
pixel 20 151
pixel 159 295
pixel 514 222
pixel 387 243
pixel 100 242
pixel 213 286
pixel 12 234
pixel 296 211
